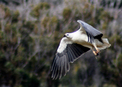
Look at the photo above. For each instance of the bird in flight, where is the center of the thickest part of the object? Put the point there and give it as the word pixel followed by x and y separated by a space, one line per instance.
pixel 74 44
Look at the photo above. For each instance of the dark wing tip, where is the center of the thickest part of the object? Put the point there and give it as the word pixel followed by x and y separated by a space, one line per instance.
pixel 61 62
pixel 60 65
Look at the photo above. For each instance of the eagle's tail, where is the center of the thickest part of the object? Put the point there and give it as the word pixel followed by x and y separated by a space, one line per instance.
pixel 103 45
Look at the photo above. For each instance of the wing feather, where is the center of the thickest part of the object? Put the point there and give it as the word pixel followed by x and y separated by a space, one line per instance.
pixel 67 53
pixel 75 50
pixel 72 56
pixel 91 31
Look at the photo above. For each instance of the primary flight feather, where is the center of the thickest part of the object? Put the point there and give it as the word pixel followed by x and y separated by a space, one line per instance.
pixel 74 44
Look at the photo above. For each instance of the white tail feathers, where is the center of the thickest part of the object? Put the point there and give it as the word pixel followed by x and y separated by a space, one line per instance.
pixel 103 45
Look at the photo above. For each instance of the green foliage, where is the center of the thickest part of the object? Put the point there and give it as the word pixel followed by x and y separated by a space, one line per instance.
pixel 109 85
pixel 35 30
pixel 35 11
pixel 54 19
pixel 44 5
pixel 105 16
pixel 15 16
pixel 88 10
pixel 8 28
pixel 66 13
pixel 28 80
pixel 53 24
pixel 45 21
pixel 0 26
pixel 7 12
pixel 29 25
pixel 116 38
pixel 119 63
pixel 77 15
pixel 9 66
pixel 27 47
pixel 104 25
pixel 1 35
pixel 41 6
pixel 49 24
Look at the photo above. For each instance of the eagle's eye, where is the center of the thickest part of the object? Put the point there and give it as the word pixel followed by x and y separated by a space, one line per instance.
pixel 67 35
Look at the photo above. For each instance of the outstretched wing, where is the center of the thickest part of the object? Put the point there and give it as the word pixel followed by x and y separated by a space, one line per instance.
pixel 67 52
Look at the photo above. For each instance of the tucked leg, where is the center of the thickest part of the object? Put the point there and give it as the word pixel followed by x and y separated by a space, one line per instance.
pixel 96 51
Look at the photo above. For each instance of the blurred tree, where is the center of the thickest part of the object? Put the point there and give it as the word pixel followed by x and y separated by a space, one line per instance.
pixel 27 47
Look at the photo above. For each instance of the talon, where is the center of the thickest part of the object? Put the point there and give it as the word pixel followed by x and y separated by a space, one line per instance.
pixel 95 53
pixel 98 50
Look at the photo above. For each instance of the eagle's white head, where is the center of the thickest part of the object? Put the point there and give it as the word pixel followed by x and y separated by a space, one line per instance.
pixel 68 35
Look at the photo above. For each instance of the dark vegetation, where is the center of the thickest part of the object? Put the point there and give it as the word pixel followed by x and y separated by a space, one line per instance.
pixel 30 33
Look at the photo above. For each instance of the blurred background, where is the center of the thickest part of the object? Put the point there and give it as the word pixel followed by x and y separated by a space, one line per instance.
pixel 30 31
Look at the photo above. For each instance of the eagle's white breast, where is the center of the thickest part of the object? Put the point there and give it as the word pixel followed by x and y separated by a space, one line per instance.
pixel 79 37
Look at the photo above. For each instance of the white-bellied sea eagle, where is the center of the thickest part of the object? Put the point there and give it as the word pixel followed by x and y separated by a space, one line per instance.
pixel 74 44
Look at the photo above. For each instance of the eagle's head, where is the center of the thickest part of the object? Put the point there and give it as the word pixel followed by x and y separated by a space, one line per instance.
pixel 68 35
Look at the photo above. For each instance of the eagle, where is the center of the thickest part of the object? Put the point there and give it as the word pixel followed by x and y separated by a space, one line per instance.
pixel 74 44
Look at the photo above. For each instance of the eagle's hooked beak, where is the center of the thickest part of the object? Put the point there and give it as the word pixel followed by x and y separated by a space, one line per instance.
pixel 64 35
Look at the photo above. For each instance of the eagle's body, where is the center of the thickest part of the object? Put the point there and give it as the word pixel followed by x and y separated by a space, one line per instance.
pixel 72 45
pixel 79 37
